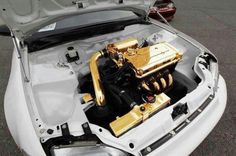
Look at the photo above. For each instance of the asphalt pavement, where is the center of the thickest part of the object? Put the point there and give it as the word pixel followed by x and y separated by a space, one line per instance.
pixel 212 23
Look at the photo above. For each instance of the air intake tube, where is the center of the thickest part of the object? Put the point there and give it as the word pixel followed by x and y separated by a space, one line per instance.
pixel 97 84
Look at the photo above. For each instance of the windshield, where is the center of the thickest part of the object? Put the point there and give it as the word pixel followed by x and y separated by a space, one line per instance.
pixel 89 19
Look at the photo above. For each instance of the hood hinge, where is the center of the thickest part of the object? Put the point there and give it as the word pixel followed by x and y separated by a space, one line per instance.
pixel 80 4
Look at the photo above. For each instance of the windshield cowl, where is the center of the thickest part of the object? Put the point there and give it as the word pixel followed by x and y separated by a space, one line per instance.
pixel 48 38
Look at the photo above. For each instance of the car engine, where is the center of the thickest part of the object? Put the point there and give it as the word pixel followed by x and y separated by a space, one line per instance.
pixel 129 83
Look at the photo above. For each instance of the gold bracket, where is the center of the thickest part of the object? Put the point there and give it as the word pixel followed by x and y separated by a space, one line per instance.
pixel 87 98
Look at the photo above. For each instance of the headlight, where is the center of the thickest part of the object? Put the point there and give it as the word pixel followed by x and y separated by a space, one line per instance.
pixel 71 150
pixel 214 69
pixel 171 5
pixel 210 62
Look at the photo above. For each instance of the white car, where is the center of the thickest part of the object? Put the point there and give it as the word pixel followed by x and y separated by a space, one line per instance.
pixel 98 77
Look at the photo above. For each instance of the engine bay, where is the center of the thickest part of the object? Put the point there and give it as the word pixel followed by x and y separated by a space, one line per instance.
pixel 113 83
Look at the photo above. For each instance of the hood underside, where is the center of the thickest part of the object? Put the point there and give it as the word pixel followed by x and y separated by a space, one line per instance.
pixel 24 17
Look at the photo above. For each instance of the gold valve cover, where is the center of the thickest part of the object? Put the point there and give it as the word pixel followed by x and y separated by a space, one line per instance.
pixel 149 59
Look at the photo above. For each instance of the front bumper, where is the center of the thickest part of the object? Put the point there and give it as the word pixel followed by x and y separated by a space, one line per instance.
pixel 189 137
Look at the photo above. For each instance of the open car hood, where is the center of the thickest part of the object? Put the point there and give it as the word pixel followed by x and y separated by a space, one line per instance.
pixel 24 17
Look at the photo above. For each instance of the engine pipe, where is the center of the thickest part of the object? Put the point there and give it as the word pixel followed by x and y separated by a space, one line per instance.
pixel 97 84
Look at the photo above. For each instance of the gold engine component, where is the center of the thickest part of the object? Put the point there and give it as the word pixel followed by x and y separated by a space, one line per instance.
pixel 145 60
pixel 98 88
pixel 123 46
pixel 87 98
pixel 159 84
pixel 138 114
